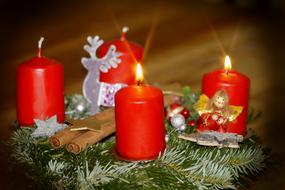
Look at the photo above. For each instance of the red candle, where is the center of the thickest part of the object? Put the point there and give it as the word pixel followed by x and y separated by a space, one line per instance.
pixel 140 132
pixel 236 85
pixel 132 53
pixel 40 89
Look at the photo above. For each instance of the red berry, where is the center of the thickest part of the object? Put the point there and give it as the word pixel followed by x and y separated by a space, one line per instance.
pixel 192 123
pixel 185 112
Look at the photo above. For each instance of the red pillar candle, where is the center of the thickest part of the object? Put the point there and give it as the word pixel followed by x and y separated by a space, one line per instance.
pixel 236 85
pixel 140 132
pixel 40 90
pixel 131 54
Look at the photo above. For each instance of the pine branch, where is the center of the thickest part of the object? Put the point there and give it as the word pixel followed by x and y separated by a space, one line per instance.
pixel 184 165
pixel 22 145
pixel 245 161
pixel 101 174
pixel 203 174
pixel 209 175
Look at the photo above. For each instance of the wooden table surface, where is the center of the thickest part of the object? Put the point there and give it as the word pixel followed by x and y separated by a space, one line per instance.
pixel 186 39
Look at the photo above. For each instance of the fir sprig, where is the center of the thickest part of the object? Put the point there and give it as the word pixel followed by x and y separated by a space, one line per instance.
pixel 183 165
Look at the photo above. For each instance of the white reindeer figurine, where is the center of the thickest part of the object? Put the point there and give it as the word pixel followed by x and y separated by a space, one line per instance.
pixel 91 85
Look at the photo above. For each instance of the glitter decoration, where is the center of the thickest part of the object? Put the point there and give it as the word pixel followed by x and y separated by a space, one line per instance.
pixel 107 93
pixel 77 107
pixel 47 128
pixel 182 128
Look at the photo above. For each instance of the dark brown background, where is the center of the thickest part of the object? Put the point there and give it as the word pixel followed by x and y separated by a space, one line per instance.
pixel 189 38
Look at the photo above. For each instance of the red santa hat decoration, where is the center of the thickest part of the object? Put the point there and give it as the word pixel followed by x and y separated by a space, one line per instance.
pixel 111 66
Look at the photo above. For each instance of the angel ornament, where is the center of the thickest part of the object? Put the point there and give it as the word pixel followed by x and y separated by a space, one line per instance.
pixel 99 93
pixel 215 115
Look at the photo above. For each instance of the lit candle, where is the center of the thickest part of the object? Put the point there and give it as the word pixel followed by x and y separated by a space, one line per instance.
pixel 139 112
pixel 236 85
pixel 40 89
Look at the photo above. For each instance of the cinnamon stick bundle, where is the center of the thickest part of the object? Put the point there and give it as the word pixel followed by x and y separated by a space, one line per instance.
pixel 85 132
pixel 88 138
pixel 63 137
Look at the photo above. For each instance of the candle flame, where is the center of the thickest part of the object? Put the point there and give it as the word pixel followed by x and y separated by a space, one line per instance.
pixel 139 73
pixel 228 64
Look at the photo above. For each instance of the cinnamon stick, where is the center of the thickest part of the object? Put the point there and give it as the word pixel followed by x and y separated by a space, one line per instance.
pixel 80 126
pixel 94 122
pixel 81 142
pixel 63 137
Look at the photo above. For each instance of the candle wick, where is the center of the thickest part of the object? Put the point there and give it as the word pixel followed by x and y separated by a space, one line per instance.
pixel 227 71
pixel 138 82
pixel 124 31
pixel 40 46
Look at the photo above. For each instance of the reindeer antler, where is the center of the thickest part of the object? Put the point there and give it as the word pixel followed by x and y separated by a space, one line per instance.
pixel 110 60
pixel 94 44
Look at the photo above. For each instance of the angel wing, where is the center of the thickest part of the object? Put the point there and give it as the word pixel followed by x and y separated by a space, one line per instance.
pixel 201 105
pixel 235 111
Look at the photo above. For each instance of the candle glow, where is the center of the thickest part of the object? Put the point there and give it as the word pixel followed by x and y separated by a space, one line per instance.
pixel 228 64
pixel 139 74
pixel 144 137
pixel 236 85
